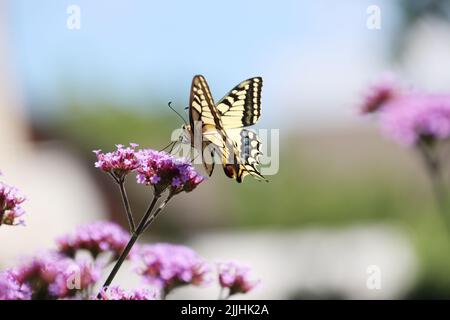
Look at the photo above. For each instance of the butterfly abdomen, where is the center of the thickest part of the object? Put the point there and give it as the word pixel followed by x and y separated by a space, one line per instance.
pixel 231 172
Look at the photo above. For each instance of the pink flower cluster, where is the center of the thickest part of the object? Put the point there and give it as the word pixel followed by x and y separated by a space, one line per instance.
pixel 162 170
pixel 53 276
pixel 119 162
pixel 11 288
pixel 64 275
pixel 417 116
pixel 156 168
pixel 117 293
pixel 236 277
pixel 97 238
pixel 11 211
pixel 410 117
pixel 169 266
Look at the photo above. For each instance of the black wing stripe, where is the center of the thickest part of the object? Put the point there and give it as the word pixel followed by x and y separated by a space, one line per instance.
pixel 242 102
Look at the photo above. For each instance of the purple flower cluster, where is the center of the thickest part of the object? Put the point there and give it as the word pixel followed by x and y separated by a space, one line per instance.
pixel 409 116
pixel 11 211
pixel 156 168
pixel 168 266
pixel 63 274
pixel 117 293
pixel 162 171
pixel 11 288
pixel 119 162
pixel 236 277
pixel 54 276
pixel 97 238
pixel 417 116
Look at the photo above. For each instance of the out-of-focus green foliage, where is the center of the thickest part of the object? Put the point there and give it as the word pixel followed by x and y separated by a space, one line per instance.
pixel 105 126
pixel 432 245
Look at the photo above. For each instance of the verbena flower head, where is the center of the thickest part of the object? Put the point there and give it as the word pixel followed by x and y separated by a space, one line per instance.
pixel 117 293
pixel 417 116
pixel 10 200
pixel 73 278
pixel 53 276
pixel 156 168
pixel 97 238
pixel 236 277
pixel 169 266
pixel 119 162
pixel 162 171
pixel 12 289
pixel 379 94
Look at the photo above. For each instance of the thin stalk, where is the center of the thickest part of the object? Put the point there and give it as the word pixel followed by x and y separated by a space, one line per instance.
pixel 120 261
pixel 434 169
pixel 157 212
pixel 131 242
pixel 126 203
pixel 127 206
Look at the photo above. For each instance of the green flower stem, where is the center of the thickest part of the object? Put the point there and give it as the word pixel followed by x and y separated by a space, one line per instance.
pixel 157 212
pixel 127 206
pixel 121 183
pixel 434 168
pixel 134 237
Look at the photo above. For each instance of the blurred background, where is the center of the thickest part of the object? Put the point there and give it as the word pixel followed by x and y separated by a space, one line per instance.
pixel 345 197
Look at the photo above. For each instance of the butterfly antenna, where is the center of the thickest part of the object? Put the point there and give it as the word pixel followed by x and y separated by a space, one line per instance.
pixel 169 105
pixel 172 147
pixel 170 144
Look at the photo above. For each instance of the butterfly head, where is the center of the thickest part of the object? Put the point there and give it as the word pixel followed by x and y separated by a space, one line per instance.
pixel 185 136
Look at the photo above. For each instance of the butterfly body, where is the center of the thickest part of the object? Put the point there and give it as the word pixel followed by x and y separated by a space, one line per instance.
pixel 219 129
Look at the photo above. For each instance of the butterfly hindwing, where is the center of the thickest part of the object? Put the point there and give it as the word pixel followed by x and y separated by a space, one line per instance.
pixel 247 151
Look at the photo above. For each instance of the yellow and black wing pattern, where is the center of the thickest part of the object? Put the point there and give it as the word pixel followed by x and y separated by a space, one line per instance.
pixel 247 152
pixel 204 118
pixel 241 107
pixel 222 125
pixel 201 104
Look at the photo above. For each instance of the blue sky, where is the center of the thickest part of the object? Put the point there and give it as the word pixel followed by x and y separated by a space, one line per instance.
pixel 130 51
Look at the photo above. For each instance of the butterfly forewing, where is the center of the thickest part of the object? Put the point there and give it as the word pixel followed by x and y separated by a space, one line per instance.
pixel 205 122
pixel 202 104
pixel 241 107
